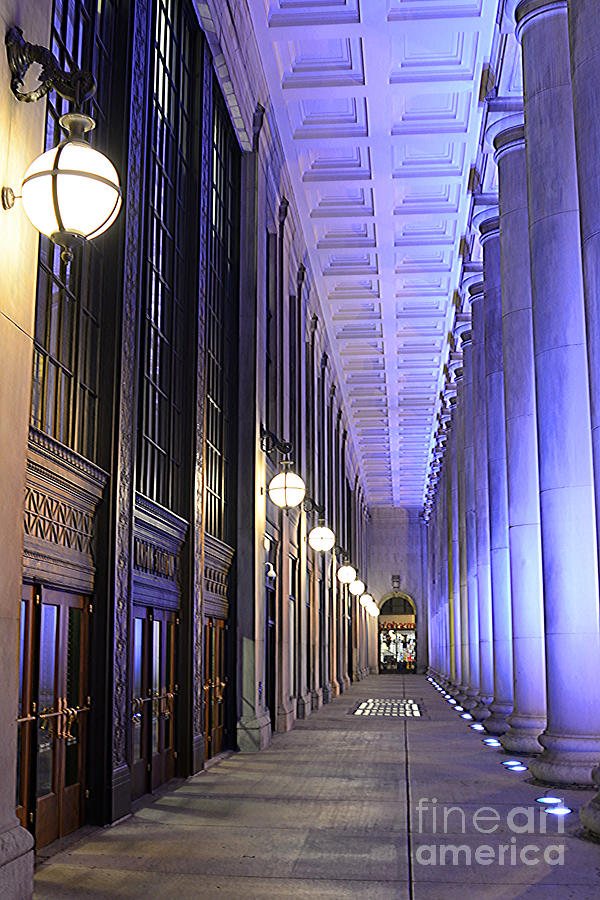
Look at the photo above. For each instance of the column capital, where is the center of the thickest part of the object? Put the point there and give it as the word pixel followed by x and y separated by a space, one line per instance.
pixel 476 292
pixel 509 136
pixel 529 10
pixel 487 222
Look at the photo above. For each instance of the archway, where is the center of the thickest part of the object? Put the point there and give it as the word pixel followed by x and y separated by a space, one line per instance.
pixel 397 626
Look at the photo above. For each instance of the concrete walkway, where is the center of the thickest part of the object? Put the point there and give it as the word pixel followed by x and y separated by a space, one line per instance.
pixel 343 806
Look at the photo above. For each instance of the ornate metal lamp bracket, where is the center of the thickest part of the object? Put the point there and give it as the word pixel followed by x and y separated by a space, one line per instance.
pixel 269 442
pixel 75 86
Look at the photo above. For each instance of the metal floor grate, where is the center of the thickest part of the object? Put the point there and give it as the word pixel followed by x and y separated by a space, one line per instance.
pixel 393 708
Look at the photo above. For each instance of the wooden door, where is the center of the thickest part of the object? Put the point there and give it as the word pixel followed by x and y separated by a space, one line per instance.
pixel 53 712
pixel 215 686
pixel 153 702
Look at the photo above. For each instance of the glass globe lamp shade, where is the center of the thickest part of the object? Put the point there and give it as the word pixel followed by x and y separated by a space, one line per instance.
pixel 357 588
pixel 366 600
pixel 346 574
pixel 287 490
pixel 72 192
pixel 373 610
pixel 321 539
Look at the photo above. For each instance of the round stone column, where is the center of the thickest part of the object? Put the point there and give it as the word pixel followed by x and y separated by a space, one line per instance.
pixel 462 551
pixel 489 227
pixel 571 740
pixel 482 518
pixel 451 456
pixel 584 26
pixel 528 718
pixel 470 524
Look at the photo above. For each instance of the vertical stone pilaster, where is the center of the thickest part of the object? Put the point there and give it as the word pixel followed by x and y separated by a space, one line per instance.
pixel 571 740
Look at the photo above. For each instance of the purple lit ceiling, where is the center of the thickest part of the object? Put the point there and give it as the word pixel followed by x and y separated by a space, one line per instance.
pixel 377 105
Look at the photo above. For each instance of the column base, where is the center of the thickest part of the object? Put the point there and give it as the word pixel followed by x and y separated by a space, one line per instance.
pixel 589 814
pixel 567 759
pixel 16 864
pixel 303 706
pixel 316 699
pixel 522 735
pixel 480 712
pixel 499 712
pixel 254 733
pixel 471 699
pixel 335 689
pixel 346 683
pixel 327 693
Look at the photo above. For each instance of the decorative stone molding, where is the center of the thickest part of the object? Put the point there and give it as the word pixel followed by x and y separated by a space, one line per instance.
pixel 158 536
pixel 218 557
pixel 62 492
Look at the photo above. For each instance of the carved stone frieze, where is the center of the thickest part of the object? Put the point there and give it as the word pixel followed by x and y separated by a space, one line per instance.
pixel 62 492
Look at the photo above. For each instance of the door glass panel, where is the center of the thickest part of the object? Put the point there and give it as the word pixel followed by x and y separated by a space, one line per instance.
pixel 47 725
pixel 138 635
pixel 73 723
pixel 169 684
pixel 156 635
pixel 22 652
pixel 20 798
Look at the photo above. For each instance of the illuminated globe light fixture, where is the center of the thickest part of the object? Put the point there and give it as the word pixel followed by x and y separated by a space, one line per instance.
pixel 366 600
pixel 357 588
pixel 321 539
pixel 346 574
pixel 373 610
pixel 286 490
pixel 72 192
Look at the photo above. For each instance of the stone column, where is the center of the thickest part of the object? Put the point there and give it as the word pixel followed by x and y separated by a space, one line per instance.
pixel 528 718
pixel 571 740
pixel 451 456
pixel 462 552
pixel 497 476
pixel 470 525
pixel 482 513
pixel 584 26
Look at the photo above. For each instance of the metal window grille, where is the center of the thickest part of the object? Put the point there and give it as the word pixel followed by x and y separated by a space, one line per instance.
pixel 65 384
pixel 221 324
pixel 170 276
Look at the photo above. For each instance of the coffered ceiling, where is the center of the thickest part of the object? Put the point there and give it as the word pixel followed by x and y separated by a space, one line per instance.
pixel 378 106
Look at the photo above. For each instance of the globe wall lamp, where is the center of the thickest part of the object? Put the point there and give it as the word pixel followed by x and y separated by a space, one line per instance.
pixel 286 490
pixel 357 587
pixel 320 538
pixel 70 193
pixel 346 573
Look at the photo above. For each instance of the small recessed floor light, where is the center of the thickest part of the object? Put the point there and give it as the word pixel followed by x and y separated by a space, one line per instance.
pixel 517 768
pixel 477 727
pixel 452 701
pixel 466 716
pixel 512 762
pixel 558 810
pixel 459 708
pixel 548 800
pixel 491 742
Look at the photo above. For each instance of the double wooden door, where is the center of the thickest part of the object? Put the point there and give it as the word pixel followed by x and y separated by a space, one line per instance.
pixel 154 698
pixel 54 708
pixel 215 686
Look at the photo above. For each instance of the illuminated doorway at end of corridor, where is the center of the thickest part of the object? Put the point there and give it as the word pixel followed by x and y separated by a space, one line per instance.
pixel 397 635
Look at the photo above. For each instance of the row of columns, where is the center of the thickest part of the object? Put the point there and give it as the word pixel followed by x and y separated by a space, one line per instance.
pixel 512 499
